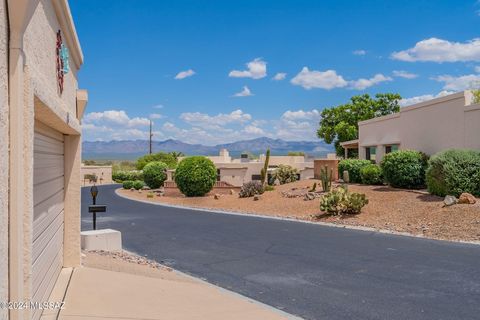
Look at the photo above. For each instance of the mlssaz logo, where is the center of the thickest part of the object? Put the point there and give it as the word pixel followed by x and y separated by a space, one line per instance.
pixel 63 65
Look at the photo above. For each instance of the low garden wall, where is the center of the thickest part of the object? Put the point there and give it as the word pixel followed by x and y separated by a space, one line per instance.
pixel 171 190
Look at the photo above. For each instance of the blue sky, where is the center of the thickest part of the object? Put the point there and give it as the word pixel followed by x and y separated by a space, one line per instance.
pixel 219 71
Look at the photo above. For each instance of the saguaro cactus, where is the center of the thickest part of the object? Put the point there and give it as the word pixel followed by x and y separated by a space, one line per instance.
pixel 263 172
pixel 326 178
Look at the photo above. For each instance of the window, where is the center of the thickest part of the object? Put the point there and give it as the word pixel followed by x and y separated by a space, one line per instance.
pixel 370 153
pixel 218 175
pixel 391 148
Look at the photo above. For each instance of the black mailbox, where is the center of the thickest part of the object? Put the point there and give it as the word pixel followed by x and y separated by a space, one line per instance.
pixel 97 208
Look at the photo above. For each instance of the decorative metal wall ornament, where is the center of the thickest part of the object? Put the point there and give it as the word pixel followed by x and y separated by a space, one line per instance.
pixel 63 64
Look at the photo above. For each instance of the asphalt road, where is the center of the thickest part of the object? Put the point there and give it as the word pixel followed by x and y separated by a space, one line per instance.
pixel 312 271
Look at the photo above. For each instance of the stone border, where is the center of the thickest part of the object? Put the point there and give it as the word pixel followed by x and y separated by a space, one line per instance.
pixel 326 224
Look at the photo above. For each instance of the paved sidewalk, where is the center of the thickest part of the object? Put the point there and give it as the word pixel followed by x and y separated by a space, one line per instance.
pixel 95 293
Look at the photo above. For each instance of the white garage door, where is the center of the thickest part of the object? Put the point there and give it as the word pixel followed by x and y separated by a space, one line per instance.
pixel 48 198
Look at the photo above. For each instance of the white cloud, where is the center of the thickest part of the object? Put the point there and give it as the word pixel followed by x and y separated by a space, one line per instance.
pixel 280 76
pixel 253 130
pixel 184 74
pixel 256 69
pixel 438 50
pixel 158 106
pixel 208 129
pixel 297 125
pixel 318 79
pixel 413 100
pixel 244 93
pixel 114 117
pixel 477 69
pixel 115 125
pixel 156 116
pixel 301 115
pixel 330 79
pixel 362 84
pixel 404 74
pixel 459 83
pixel 206 121
pixel 359 52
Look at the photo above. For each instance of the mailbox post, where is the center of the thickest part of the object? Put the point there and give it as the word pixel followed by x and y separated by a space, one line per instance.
pixel 94 208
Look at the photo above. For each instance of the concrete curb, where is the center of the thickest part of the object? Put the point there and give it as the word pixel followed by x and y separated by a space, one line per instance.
pixel 326 224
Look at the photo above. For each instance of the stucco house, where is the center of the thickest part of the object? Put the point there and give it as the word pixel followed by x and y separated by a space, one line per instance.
pixel 448 122
pixel 40 145
pixel 236 172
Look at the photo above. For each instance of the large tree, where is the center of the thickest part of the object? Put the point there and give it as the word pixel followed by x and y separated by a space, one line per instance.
pixel 340 123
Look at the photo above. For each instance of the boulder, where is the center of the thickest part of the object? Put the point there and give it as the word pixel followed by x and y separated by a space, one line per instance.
pixel 132 189
pixel 256 197
pixel 146 188
pixel 310 196
pixel 467 198
pixel 449 201
pixel 216 196
pixel 232 192
pixel 276 182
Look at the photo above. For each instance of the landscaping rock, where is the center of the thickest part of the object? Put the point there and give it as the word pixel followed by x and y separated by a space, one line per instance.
pixel 256 197
pixel 276 182
pixel 132 189
pixel 449 201
pixel 467 198
pixel 216 196
pixel 310 196
pixel 146 188
pixel 232 192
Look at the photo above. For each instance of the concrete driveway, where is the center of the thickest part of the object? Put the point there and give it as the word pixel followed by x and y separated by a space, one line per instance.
pixel 313 271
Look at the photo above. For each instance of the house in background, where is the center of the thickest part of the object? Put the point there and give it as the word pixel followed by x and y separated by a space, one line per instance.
pixel 449 122
pixel 236 172
pixel 40 145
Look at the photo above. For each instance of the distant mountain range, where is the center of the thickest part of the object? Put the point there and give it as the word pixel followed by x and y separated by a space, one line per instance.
pixel 131 149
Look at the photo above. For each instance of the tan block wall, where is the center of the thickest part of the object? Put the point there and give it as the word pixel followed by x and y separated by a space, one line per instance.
pixel 472 127
pixel 104 172
pixel 4 167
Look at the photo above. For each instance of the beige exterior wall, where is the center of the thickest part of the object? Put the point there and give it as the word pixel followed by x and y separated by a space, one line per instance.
pixel 432 126
pixel 33 96
pixel 103 173
pixel 4 168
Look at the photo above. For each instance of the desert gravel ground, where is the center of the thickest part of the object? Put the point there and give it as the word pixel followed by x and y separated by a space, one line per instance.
pixel 411 211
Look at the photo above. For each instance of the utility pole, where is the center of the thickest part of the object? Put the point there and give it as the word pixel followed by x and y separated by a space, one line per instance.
pixel 151 135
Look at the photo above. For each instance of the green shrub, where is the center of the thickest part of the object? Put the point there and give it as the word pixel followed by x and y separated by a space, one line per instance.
pixel 120 176
pixel 138 184
pixel 249 189
pixel 285 174
pixel 476 96
pixel 453 172
pixel 371 174
pixel 169 159
pixel 353 166
pixel 405 169
pixel 340 201
pixel 195 176
pixel 155 174
pixel 127 184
